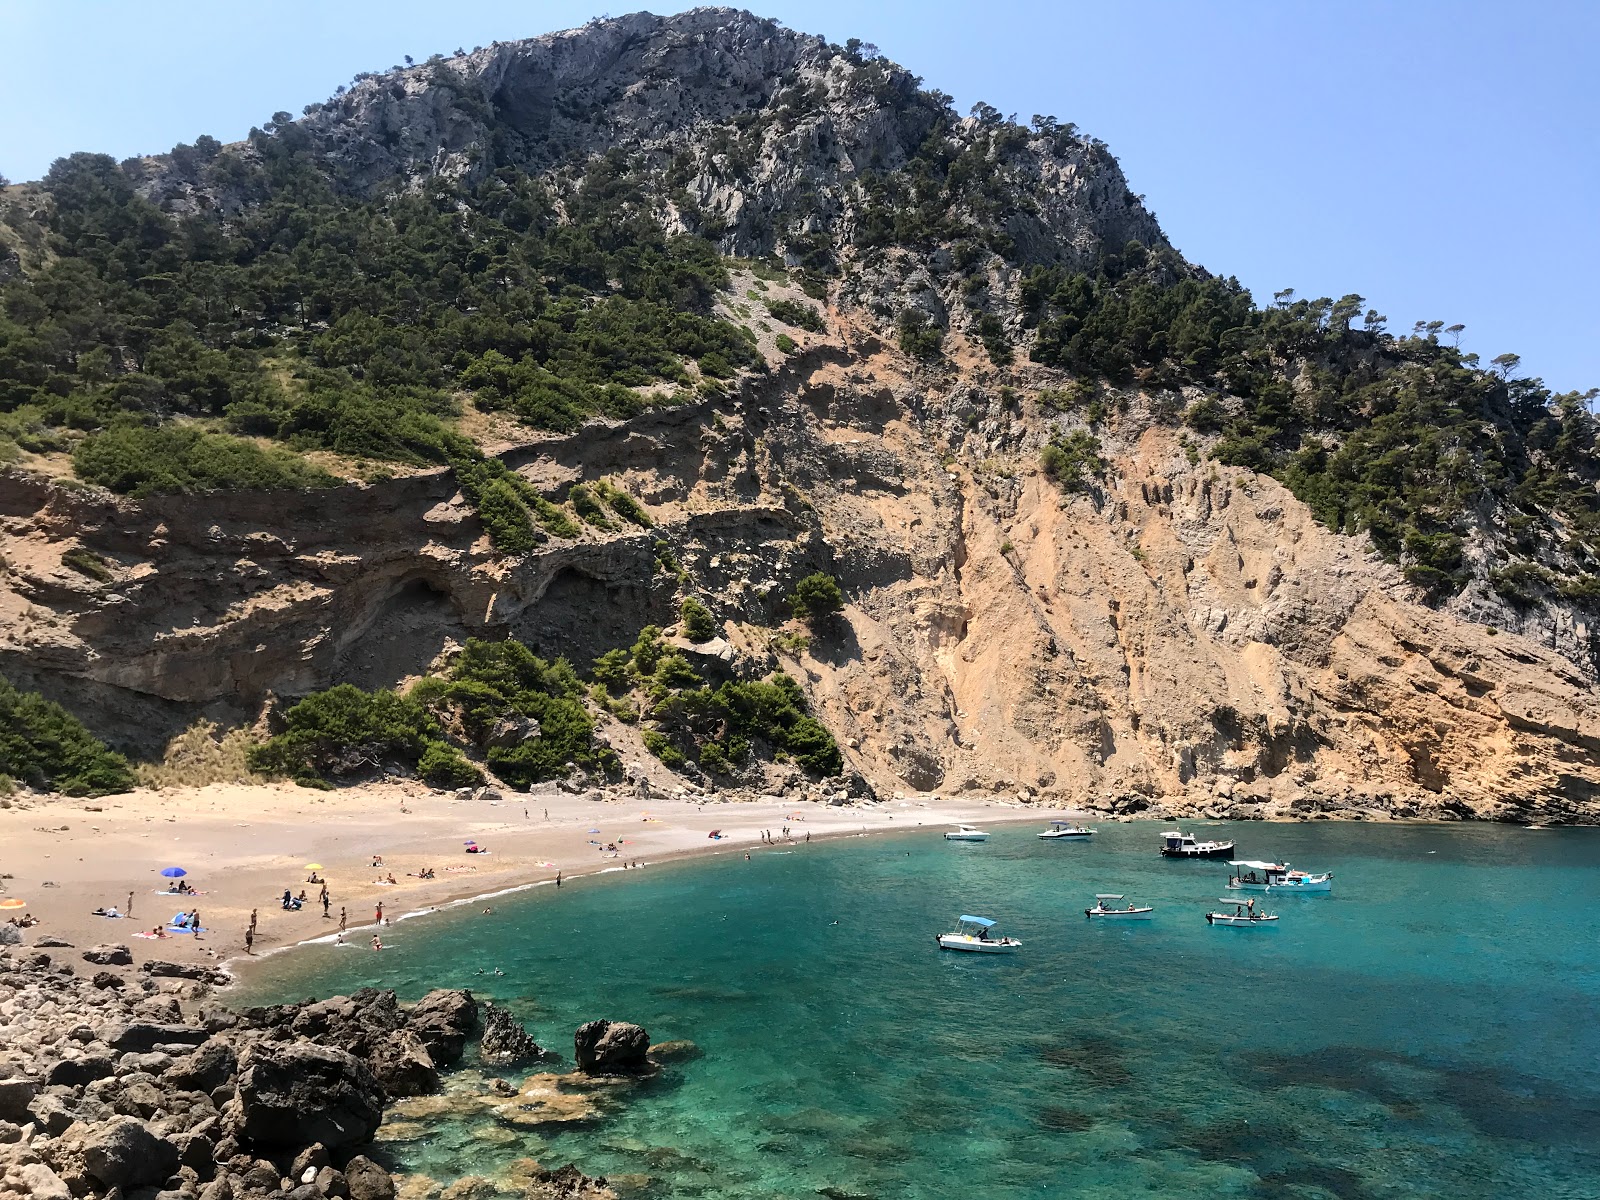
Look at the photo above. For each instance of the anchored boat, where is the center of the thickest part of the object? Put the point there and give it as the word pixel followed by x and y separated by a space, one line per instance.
pixel 1276 877
pixel 972 934
pixel 1243 916
pixel 1176 844
pixel 1105 905
pixel 1065 829
pixel 966 833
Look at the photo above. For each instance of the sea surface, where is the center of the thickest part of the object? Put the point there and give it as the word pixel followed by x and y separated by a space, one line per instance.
pixel 1432 1028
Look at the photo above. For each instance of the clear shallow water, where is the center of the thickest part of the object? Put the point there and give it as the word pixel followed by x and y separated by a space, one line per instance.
pixel 1430 1029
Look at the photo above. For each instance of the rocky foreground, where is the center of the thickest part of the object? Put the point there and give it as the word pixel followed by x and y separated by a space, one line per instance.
pixel 132 1086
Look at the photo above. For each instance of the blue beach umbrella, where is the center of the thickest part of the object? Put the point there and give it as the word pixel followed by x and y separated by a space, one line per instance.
pixel 594 831
pixel 173 872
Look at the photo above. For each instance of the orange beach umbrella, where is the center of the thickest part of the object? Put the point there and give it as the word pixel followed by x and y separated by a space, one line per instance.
pixel 13 902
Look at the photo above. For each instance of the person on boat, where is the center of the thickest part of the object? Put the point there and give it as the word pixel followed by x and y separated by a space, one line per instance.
pixel 1250 909
pixel 983 935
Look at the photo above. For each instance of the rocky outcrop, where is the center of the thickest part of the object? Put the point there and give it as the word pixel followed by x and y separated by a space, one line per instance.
pixel 505 1042
pixel 108 956
pixel 611 1048
pixel 443 1020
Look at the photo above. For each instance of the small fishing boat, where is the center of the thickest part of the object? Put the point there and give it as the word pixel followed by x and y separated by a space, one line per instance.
pixel 966 833
pixel 1176 844
pixel 1276 877
pixel 1105 905
pixel 1065 829
pixel 972 934
pixel 1243 916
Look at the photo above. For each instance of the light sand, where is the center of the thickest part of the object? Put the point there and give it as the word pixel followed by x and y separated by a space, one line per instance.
pixel 243 845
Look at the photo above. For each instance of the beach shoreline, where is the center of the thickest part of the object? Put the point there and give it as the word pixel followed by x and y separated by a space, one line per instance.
pixel 242 845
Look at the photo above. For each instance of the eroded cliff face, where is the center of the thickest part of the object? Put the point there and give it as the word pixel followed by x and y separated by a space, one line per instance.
pixel 1183 637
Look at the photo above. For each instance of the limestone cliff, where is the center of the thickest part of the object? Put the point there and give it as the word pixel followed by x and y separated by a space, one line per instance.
pixel 1177 636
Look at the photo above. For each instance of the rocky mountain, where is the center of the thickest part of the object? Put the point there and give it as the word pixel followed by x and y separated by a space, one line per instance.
pixel 541 341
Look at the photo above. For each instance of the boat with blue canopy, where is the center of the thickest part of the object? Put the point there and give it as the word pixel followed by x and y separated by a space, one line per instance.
pixel 974 934
pixel 1276 877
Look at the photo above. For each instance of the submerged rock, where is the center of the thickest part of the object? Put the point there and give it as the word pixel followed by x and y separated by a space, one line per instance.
pixel 609 1047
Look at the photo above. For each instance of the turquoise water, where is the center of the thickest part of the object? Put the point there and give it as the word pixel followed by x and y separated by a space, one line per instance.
pixel 1430 1029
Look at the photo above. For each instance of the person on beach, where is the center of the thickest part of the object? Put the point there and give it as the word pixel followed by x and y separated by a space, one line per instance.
pixel 324 904
pixel 558 878
pixel 288 899
pixel 250 939
pixel 252 920
pixel 377 943
pixel 341 922
pixel 378 916
pixel 130 904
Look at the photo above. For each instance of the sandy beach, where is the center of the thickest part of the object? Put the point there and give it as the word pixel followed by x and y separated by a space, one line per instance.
pixel 241 846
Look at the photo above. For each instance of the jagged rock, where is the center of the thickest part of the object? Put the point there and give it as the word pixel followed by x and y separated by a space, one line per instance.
pixel 10 935
pixel 52 943
pixel 198 971
pixel 505 1042
pixel 107 980
pixel 566 1183
pixel 611 1047
pixel 145 1035
pixel 117 1153
pixel 74 1072
pixel 109 956
pixel 512 731
pixel 444 1019
pixel 294 1094
pixel 366 1180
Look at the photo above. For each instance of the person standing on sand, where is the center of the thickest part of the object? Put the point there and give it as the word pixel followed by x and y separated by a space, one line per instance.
pixel 378 916
pixel 250 940
pixel 130 904
pixel 253 919
pixel 341 922
pixel 558 878
pixel 324 904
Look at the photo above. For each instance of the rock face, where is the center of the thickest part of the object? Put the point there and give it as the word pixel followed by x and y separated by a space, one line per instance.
pixel 444 1019
pixel 1182 637
pixel 108 956
pixel 300 1093
pixel 505 1042
pixel 611 1048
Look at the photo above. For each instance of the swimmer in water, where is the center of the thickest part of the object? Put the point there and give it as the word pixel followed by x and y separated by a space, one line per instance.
pixel 377 943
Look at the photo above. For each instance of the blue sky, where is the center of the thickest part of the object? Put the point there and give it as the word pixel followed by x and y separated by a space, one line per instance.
pixel 1441 159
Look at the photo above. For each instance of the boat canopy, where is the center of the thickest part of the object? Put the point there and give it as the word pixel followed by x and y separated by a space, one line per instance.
pixel 984 921
pixel 1061 824
pixel 1257 866
pixel 1108 896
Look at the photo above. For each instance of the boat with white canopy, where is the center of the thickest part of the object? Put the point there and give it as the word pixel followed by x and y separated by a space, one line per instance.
pixel 1252 876
pixel 966 833
pixel 1065 829
pixel 1107 904
pixel 973 934
pixel 1177 844
pixel 1243 916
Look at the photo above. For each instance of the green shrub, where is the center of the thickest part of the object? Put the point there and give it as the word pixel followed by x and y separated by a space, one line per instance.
pixel 661 746
pixel 786 344
pixel 696 620
pixel 346 731
pixel 143 460
pixel 816 597
pixel 46 747
pixel 1073 461
pixel 919 337
pixel 624 505
pixel 792 312
pixel 613 671
pixel 507 518
pixel 444 766
pixel 86 562
pixel 587 507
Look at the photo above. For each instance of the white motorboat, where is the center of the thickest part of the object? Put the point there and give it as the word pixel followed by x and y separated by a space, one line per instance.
pixel 1065 829
pixel 1243 916
pixel 1176 844
pixel 1276 877
pixel 966 833
pixel 1106 905
pixel 972 934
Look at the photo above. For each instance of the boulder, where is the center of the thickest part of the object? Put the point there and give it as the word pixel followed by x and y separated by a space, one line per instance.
pixel 141 1036
pixel 293 1094
pixel 366 1180
pixel 172 970
pixel 52 943
pixel 332 1183
pixel 203 1069
pixel 10 935
pixel 74 1072
pixel 35 1181
pixel 15 1096
pixel 108 956
pixel 117 1153
pixel 611 1047
pixel 505 1041
pixel 403 1065
pixel 106 979
pixel 444 1019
